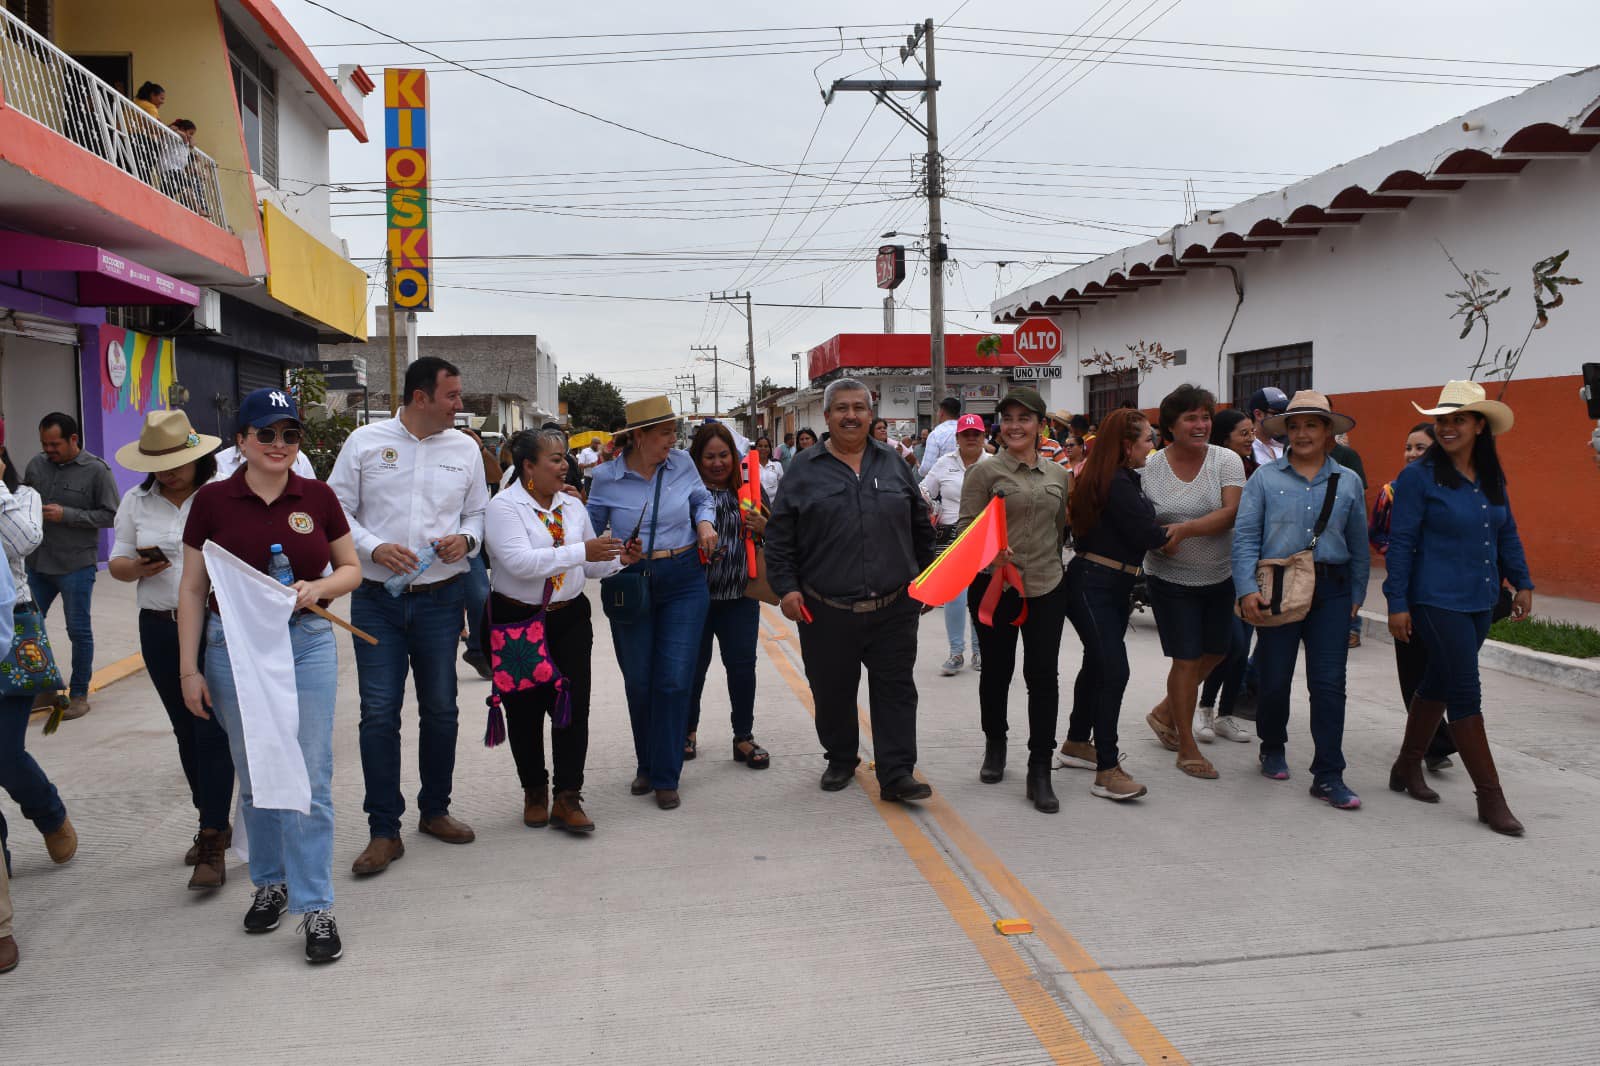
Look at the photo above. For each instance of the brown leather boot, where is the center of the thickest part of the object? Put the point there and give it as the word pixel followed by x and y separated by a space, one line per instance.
pixel 376 857
pixel 1406 774
pixel 1473 746
pixel 568 813
pixel 192 856
pixel 536 807
pixel 63 843
pixel 211 867
pixel 8 954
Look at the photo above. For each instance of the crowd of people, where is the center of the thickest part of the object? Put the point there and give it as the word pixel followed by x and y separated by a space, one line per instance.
pixel 1243 526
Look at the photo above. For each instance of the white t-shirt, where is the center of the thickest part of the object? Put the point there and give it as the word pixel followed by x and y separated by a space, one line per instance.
pixel 1198 560
pixel 229 460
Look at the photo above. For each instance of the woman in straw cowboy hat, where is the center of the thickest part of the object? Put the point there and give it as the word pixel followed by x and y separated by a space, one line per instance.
pixel 1452 540
pixel 651 496
pixel 148 551
pixel 1279 516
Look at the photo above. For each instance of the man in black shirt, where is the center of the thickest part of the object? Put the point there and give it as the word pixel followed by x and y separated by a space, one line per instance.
pixel 847 534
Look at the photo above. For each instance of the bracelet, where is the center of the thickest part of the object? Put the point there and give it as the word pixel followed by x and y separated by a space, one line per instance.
pixel 185 677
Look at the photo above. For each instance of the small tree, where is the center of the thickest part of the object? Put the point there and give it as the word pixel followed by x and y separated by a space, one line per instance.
pixel 1142 358
pixel 1478 294
pixel 323 432
pixel 593 403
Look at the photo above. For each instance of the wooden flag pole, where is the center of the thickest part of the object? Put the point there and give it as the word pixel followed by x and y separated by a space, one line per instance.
pixel 340 622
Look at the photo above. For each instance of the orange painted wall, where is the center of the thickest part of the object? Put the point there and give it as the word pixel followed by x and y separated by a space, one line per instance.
pixel 1554 485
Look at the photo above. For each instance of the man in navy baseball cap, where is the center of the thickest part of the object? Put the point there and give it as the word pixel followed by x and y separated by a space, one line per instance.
pixel 1264 403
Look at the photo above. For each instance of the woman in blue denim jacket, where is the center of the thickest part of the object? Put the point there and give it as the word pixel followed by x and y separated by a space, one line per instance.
pixel 1450 534
pixel 1277 517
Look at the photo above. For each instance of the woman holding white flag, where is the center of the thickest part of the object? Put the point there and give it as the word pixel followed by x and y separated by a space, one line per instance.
pixel 271 518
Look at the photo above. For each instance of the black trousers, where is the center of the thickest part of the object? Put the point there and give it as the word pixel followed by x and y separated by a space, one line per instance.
pixel 569 636
pixel 1411 662
pixel 1098 606
pixel 202 744
pixel 1041 648
pixel 834 649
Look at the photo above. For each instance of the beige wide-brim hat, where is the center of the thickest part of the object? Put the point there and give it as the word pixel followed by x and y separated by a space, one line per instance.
pixel 650 411
pixel 1308 402
pixel 166 442
pixel 1469 396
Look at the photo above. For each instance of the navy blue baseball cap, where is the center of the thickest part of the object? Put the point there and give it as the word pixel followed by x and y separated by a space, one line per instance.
pixel 263 407
pixel 1270 399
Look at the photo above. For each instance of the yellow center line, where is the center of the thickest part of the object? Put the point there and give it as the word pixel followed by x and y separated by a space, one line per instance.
pixel 1050 1024
pixel 1141 1033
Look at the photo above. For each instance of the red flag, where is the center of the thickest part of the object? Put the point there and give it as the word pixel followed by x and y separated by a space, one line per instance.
pixel 750 502
pixel 958 564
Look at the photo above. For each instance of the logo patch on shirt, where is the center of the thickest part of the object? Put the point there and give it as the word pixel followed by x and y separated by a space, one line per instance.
pixel 301 522
pixel 389 456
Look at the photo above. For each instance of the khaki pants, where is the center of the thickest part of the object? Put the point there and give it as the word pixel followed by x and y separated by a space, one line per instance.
pixel 5 902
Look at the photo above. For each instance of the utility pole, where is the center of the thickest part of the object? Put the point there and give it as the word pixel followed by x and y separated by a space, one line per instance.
pixel 716 388
pixel 749 351
pixel 394 365
pixel 694 389
pixel 938 250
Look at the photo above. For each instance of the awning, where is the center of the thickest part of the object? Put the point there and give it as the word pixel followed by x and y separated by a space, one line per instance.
pixel 105 279
pixel 312 278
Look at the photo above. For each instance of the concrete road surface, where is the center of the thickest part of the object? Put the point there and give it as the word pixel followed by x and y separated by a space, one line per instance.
pixel 1233 922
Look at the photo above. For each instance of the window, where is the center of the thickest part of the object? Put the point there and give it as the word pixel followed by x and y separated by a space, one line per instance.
pixel 1289 368
pixel 255 86
pixel 35 14
pixel 1107 392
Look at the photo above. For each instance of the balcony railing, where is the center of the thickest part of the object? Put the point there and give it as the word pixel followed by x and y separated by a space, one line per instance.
pixel 44 83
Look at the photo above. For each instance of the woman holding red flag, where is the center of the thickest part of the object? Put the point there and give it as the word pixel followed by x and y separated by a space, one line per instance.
pixel 1029 598
pixel 1113 526
pixel 733 618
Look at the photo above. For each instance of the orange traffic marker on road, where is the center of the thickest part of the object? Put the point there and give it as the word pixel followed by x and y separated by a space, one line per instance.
pixel 1012 926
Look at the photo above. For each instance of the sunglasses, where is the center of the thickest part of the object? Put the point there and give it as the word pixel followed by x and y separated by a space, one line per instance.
pixel 268 435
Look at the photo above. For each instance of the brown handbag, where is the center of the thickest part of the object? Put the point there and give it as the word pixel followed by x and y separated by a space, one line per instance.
pixel 758 587
pixel 1288 585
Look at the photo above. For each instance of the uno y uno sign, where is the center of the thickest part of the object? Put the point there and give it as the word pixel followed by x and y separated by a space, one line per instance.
pixel 405 112
pixel 1037 341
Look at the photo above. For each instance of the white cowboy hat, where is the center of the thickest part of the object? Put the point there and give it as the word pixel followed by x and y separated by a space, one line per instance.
pixel 1308 402
pixel 166 442
pixel 1469 396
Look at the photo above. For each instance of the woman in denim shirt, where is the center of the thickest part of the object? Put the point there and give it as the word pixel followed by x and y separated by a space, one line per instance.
pixel 1450 533
pixel 1276 518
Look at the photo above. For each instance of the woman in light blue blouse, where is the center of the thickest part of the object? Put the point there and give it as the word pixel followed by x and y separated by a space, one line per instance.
pixel 651 497
pixel 1277 518
pixel 1452 539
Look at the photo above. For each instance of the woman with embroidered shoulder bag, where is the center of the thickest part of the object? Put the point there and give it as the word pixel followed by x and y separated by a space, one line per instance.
pixel 539 634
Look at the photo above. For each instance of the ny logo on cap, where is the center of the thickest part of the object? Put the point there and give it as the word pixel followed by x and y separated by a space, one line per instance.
pixel 278 399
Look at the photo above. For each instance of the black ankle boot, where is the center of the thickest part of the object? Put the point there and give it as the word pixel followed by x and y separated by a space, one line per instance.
pixel 1039 790
pixel 994 761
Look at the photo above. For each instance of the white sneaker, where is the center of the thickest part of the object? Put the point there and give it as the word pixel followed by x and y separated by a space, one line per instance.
pixel 951 666
pixel 1203 718
pixel 977 660
pixel 1235 729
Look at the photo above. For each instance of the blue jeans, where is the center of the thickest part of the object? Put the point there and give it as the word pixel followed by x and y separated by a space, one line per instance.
pixel 76 590
pixel 1325 632
pixel 418 629
pixel 658 657
pixel 477 581
pixel 287 847
pixel 1452 639
pixel 1098 607
pixel 733 624
pixel 20 775
pixel 957 623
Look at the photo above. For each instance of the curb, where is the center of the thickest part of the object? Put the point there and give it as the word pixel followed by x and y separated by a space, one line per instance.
pixel 1579 675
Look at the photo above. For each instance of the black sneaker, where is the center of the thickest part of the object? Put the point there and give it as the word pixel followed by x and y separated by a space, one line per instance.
pixel 267 909
pixel 322 936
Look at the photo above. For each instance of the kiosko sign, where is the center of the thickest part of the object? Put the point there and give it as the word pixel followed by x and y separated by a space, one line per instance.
pixel 405 111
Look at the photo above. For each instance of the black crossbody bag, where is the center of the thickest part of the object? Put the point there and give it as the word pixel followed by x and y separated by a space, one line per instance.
pixel 625 597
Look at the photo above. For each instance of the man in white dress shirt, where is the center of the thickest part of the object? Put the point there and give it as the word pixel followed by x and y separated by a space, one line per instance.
pixel 229 460
pixel 942 439
pixel 405 483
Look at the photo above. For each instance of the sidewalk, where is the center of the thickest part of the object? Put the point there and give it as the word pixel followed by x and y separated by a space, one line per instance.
pixel 1232 922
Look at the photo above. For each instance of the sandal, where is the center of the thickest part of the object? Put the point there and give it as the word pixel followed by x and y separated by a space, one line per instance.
pixel 1200 768
pixel 690 748
pixel 1164 732
pixel 757 757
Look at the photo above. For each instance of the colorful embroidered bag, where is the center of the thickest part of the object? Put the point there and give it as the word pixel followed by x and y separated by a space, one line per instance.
pixel 519 656
pixel 30 667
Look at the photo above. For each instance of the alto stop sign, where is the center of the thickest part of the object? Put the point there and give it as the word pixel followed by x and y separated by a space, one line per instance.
pixel 1037 340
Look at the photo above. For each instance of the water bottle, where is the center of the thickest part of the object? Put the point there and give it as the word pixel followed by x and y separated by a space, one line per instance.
pixel 279 566
pixel 425 558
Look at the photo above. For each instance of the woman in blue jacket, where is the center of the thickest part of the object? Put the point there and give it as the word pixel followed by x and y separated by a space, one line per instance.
pixel 1450 533
pixel 1277 517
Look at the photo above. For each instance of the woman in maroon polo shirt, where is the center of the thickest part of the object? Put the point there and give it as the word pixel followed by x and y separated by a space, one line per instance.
pixel 263 505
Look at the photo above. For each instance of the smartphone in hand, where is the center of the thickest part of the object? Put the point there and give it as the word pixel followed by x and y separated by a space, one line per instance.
pixel 152 555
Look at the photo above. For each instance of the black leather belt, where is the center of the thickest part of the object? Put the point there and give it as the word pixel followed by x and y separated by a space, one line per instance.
pixel 855 606
pixel 367 582
pixel 171 616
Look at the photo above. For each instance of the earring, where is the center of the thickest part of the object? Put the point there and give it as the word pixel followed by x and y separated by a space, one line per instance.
pixel 528 484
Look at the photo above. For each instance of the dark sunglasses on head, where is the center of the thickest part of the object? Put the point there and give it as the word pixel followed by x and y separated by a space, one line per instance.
pixel 268 435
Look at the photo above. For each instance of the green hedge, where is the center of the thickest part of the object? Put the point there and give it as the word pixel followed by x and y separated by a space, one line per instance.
pixel 1556 637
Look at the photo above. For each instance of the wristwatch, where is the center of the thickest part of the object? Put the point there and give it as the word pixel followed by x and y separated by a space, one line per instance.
pixel 472 542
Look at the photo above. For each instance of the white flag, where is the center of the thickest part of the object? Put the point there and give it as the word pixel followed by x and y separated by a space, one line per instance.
pixel 255 619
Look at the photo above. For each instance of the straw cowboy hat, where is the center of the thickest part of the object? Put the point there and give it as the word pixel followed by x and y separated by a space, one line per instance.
pixel 650 411
pixel 166 442
pixel 1308 402
pixel 1469 396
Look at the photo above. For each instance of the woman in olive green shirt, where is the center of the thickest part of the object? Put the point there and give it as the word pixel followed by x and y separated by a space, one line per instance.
pixel 1035 492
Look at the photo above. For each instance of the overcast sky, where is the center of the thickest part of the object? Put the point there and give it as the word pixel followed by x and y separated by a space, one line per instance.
pixel 1071 128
